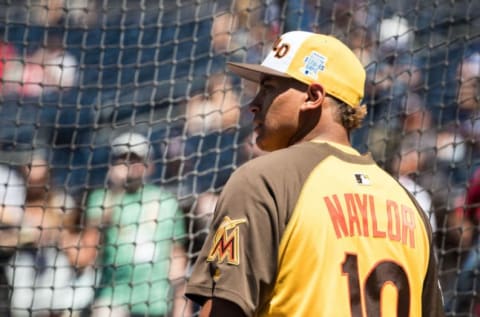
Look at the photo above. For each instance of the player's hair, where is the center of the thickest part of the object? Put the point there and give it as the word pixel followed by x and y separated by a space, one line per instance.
pixel 351 117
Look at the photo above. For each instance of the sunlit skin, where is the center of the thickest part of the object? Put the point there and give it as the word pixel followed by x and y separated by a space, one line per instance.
pixel 287 111
pixel 275 110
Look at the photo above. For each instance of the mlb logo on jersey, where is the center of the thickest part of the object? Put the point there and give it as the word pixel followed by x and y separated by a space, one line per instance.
pixel 362 179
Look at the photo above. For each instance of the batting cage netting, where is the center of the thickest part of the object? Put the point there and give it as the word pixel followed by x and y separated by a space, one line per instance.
pixel 97 93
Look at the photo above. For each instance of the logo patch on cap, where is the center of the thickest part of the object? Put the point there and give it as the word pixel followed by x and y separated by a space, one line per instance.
pixel 314 63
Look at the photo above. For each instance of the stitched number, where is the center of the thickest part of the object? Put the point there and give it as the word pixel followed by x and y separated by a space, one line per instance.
pixel 384 272
pixel 350 268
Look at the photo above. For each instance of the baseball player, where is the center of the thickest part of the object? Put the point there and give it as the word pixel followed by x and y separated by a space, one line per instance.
pixel 313 228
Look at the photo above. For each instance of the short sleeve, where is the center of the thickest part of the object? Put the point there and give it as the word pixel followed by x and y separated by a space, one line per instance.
pixel 239 257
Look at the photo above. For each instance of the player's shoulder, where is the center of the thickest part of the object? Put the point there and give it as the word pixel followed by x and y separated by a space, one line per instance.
pixel 288 161
pixel 272 160
pixel 306 153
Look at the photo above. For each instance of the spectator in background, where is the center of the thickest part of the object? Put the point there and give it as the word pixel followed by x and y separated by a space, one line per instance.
pixel 55 12
pixel 47 12
pixel 395 72
pixel 220 110
pixel 50 68
pixel 453 239
pixel 338 18
pixel 140 229
pixel 451 153
pixel 360 40
pixel 206 147
pixel 7 55
pixel 465 299
pixel 12 199
pixel 12 195
pixel 43 281
pixel 396 42
pixel 243 35
pixel 407 165
pixel 468 98
pixel 406 115
pixel 301 15
pixel 468 74
pixel 394 77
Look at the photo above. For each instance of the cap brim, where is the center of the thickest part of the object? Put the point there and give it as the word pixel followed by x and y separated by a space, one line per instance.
pixel 253 72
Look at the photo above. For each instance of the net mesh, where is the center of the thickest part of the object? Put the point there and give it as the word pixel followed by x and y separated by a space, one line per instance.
pixel 79 75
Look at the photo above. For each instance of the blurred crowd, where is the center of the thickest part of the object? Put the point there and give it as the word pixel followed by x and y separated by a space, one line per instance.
pixel 119 126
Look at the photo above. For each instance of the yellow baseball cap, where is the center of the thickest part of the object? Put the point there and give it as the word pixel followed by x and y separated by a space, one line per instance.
pixel 311 58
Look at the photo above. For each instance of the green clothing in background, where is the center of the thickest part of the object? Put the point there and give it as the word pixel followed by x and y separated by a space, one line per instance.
pixel 139 230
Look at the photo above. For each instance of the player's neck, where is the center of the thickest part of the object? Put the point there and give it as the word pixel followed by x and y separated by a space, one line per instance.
pixel 332 136
pixel 329 130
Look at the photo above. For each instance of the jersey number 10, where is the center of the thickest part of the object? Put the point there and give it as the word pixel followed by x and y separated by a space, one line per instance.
pixel 384 272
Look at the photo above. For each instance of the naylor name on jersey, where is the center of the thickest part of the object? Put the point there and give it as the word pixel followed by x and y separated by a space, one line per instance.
pixel 356 215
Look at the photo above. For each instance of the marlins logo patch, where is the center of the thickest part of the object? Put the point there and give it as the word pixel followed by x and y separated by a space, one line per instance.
pixel 226 242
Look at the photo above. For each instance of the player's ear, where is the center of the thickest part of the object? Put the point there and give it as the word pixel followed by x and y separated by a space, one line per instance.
pixel 315 96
